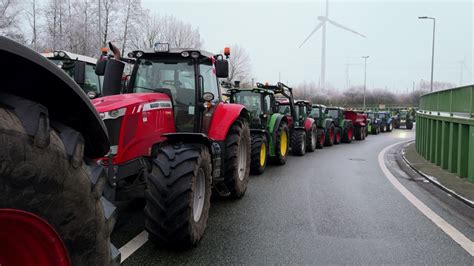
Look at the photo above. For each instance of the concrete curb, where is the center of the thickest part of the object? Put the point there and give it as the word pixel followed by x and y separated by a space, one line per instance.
pixel 433 180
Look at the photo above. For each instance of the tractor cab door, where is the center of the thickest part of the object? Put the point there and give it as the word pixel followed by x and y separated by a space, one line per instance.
pixel 267 108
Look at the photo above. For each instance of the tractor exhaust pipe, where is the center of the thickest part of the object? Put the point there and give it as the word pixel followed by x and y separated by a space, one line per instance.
pixel 112 70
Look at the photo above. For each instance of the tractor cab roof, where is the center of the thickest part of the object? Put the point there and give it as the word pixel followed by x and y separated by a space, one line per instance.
pixel 302 102
pixel 68 55
pixel 255 90
pixel 335 108
pixel 318 106
pixel 163 51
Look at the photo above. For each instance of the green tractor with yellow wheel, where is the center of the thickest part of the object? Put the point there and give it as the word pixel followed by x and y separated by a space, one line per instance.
pixel 268 128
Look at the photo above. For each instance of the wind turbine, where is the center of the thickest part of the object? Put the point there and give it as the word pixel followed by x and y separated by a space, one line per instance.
pixel 322 24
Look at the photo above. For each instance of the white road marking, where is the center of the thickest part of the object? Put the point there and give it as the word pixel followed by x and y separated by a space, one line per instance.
pixel 133 245
pixel 452 232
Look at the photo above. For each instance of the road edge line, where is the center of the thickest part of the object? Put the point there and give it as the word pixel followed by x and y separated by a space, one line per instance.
pixel 133 245
pixel 450 230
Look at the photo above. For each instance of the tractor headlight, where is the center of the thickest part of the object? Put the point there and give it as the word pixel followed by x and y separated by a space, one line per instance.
pixel 62 54
pixel 113 114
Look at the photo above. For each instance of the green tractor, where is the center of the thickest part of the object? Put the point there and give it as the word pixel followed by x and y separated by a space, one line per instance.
pixel 404 118
pixel 374 122
pixel 303 129
pixel 325 125
pixel 344 128
pixel 268 128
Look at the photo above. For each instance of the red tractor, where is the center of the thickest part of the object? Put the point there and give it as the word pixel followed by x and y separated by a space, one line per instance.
pixel 303 129
pixel 359 122
pixel 173 140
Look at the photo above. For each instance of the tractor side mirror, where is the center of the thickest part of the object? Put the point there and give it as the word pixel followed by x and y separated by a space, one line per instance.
pixel 80 72
pixel 100 67
pixel 222 68
pixel 113 70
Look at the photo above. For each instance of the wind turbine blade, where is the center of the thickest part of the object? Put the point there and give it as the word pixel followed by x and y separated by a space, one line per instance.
pixel 344 27
pixel 311 34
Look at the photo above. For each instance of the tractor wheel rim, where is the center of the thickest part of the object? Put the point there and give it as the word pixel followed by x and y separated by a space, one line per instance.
pixel 263 154
pixel 303 145
pixel 242 159
pixel 349 134
pixel 321 141
pixel 313 139
pixel 283 143
pixel 199 195
pixel 338 137
pixel 331 134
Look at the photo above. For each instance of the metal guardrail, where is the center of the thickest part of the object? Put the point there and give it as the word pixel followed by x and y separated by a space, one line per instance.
pixel 445 130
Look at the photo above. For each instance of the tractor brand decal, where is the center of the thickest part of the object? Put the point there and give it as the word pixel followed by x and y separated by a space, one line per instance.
pixel 156 105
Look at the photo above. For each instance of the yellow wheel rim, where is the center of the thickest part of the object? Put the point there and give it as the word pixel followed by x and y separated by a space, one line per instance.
pixel 283 143
pixel 263 154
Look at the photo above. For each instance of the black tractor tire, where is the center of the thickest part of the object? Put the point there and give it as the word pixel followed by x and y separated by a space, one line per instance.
pixel 347 132
pixel 312 139
pixel 178 175
pixel 397 124
pixel 330 140
pixel 237 144
pixel 409 125
pixel 337 135
pixel 321 137
pixel 298 142
pixel 259 142
pixel 389 127
pixel 358 134
pixel 280 156
pixel 43 171
pixel 382 127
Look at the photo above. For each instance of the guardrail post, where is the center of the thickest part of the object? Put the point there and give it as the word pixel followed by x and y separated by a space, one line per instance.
pixel 470 163
pixel 444 144
pixel 453 147
pixel 463 151
pixel 438 143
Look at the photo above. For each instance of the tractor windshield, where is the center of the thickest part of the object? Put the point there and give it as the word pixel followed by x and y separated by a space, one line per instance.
pixel 371 115
pixel 178 76
pixel 333 113
pixel 382 115
pixel 251 100
pixel 284 109
pixel 315 112
pixel 403 113
pixel 92 82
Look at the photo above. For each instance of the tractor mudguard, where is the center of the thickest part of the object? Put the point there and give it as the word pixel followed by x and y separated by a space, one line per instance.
pixel 327 123
pixel 224 116
pixel 31 76
pixel 272 126
pixel 308 124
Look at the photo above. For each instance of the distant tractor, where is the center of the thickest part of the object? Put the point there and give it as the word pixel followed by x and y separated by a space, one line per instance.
pixel 173 140
pixel 325 125
pixel 303 129
pixel 80 68
pixel 360 123
pixel 344 128
pixel 269 129
pixel 374 122
pixel 386 121
pixel 404 118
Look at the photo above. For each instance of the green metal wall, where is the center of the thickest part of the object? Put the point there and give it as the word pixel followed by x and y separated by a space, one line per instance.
pixel 445 130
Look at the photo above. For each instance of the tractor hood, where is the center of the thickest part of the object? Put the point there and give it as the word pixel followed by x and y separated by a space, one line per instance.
pixel 114 102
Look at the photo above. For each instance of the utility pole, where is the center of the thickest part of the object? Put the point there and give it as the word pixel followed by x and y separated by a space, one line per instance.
pixel 365 76
pixel 432 49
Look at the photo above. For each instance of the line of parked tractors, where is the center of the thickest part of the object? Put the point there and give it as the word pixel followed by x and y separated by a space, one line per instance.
pixel 80 144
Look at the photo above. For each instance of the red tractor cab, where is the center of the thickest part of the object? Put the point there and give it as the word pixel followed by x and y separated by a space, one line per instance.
pixel 173 140
pixel 303 129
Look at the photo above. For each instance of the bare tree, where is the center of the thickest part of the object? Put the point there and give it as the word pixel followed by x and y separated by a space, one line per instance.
pixel 9 26
pixel 239 64
pixel 32 15
pixel 110 10
pixel 132 12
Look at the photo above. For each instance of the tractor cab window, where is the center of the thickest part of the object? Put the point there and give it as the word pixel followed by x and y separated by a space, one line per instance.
pixel 371 115
pixel 251 100
pixel 403 112
pixel 210 80
pixel 177 76
pixel 382 115
pixel 267 104
pixel 333 113
pixel 315 112
pixel 92 82
pixel 284 109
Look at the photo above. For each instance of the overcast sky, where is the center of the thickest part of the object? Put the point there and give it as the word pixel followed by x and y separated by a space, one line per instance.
pixel 398 43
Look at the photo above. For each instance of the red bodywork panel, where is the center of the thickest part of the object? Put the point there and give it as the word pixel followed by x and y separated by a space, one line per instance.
pixel 308 123
pixel 223 118
pixel 358 119
pixel 147 117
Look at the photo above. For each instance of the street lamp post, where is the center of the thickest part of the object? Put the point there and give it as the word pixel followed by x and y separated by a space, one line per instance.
pixel 432 49
pixel 365 76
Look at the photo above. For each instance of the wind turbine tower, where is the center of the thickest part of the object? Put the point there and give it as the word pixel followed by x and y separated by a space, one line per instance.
pixel 324 20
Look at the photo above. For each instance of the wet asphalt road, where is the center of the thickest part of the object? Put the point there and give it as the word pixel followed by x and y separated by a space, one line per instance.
pixel 334 206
